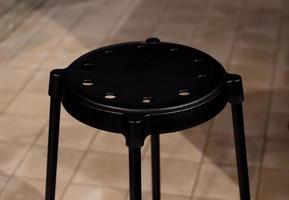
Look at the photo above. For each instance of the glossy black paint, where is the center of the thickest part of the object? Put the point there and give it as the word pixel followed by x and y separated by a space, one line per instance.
pixel 145 88
pixel 241 155
pixel 53 137
pixel 156 172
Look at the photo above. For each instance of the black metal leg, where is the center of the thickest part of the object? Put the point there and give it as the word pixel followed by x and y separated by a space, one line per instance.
pixel 53 136
pixel 156 179
pixel 240 145
pixel 135 173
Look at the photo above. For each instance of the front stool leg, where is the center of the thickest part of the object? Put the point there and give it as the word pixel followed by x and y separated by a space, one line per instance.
pixel 135 173
pixel 241 155
pixel 155 153
pixel 135 140
pixel 54 118
pixel 236 98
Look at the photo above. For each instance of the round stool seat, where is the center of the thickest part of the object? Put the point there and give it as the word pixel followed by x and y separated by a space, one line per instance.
pixel 170 86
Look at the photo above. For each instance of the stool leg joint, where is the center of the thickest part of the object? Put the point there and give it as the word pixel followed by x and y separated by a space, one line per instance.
pixel 235 89
pixel 134 132
pixel 55 82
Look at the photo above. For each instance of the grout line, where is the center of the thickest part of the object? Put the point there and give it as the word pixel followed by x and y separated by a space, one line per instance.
pixel 271 93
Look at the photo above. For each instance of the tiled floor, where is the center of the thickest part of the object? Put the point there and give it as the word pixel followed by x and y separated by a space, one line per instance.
pixel 250 37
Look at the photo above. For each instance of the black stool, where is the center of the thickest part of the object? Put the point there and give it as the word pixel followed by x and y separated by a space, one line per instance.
pixel 145 88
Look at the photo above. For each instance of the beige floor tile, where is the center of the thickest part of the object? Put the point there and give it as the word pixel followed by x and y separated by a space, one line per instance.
pixel 274 185
pixel 221 182
pixel 260 22
pixel 278 126
pixel 148 196
pixel 276 155
pixel 65 116
pixel 78 191
pixel 204 127
pixel 178 177
pixel 31 104
pixel 216 182
pixel 254 76
pixel 188 6
pixel 187 145
pixel 225 9
pixel 280 101
pixel 200 198
pixel 107 142
pixel 26 58
pixel 259 7
pixel 73 135
pixel 215 42
pixel 281 81
pixel 22 129
pixel 3 181
pixel 18 66
pixel 108 170
pixel 6 97
pixel 221 150
pixel 217 35
pixel 34 165
pixel 39 83
pixel 253 57
pixel 131 34
pixel 173 32
pixel 11 156
pixel 254 123
pixel 177 17
pixel 13 79
pixel 256 99
pixel 266 39
pixel 27 189
pixel 283 50
pixel 220 22
pixel 219 51
pixel 58 59
pixel 73 43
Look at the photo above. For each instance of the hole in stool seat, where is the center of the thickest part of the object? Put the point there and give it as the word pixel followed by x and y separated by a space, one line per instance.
pixel 110 95
pixel 147 99
pixel 184 92
pixel 202 75
pixel 197 60
pixel 174 49
pixel 140 46
pixel 109 51
pixel 87 82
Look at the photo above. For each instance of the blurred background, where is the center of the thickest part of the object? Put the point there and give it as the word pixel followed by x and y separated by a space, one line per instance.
pixel 249 37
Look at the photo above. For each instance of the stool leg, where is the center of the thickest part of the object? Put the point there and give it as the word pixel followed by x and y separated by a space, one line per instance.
pixel 53 136
pixel 155 153
pixel 240 145
pixel 135 173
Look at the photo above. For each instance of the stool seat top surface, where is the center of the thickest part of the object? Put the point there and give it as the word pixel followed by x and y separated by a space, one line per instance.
pixel 149 75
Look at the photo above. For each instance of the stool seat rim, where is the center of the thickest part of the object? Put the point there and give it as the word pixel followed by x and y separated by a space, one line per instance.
pixel 87 97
